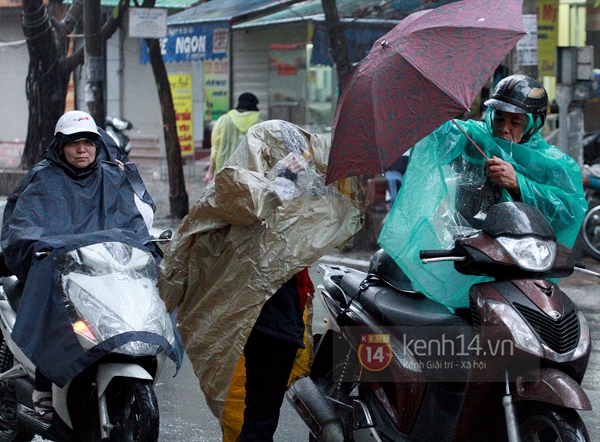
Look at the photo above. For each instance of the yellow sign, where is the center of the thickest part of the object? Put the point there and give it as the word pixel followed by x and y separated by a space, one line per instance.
pixel 181 89
pixel 547 12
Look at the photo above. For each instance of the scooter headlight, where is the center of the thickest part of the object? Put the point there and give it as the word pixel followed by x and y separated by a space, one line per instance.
pixel 521 333
pixel 101 322
pixel 530 253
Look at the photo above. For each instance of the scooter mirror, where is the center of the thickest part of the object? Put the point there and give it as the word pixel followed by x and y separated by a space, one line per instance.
pixel 165 237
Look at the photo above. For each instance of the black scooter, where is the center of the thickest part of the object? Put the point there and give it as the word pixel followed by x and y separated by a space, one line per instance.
pixel 394 365
pixel 116 128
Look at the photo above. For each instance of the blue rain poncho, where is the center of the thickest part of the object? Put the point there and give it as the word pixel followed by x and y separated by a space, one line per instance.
pixel 443 195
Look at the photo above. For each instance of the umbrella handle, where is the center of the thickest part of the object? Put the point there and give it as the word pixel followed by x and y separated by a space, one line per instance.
pixel 470 139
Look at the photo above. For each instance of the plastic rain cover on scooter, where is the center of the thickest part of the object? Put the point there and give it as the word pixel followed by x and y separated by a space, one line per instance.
pixel 107 291
pixel 446 193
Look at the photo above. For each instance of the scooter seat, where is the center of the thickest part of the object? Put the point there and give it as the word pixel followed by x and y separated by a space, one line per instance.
pixel 398 308
pixel 13 289
pixel 437 338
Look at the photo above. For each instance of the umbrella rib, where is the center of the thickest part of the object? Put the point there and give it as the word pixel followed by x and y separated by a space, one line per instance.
pixel 470 139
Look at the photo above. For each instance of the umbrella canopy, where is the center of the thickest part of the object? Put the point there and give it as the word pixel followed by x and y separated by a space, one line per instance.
pixel 425 71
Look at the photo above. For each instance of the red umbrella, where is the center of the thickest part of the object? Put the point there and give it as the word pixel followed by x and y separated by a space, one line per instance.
pixel 422 73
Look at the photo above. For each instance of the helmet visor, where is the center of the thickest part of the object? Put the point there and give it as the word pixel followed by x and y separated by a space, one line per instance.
pixel 504 106
pixel 87 136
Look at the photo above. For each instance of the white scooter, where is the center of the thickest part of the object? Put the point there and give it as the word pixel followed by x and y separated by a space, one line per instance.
pixel 108 289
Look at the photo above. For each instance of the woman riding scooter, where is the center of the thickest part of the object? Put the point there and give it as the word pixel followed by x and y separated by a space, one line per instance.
pixel 68 193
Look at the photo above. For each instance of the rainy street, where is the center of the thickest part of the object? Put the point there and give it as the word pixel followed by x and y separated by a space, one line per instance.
pixel 186 417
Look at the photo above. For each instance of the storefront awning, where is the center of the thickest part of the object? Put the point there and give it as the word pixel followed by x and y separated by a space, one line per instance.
pixel 353 10
pixel 202 32
pixel 228 10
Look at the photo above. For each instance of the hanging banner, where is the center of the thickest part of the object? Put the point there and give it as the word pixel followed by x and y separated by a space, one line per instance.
pixel 181 89
pixel 148 22
pixel 207 41
pixel 547 12
pixel 527 47
pixel 216 88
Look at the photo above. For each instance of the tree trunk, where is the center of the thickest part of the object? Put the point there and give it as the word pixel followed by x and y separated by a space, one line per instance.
pixel 178 196
pixel 337 40
pixel 94 61
pixel 50 69
pixel 46 83
pixel 366 238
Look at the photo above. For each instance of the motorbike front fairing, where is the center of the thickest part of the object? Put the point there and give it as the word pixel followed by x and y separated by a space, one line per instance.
pixel 94 296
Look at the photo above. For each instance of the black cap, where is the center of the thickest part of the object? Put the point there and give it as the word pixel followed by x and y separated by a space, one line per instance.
pixel 73 138
pixel 247 101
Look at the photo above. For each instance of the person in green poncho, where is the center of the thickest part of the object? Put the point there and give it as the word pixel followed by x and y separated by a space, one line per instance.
pixel 229 130
pixel 449 184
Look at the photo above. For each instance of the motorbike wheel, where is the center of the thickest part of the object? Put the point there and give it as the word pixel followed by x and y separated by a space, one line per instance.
pixel 546 423
pixel 590 231
pixel 9 432
pixel 133 410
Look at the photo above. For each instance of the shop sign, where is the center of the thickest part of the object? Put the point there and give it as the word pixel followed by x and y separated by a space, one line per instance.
pixel 147 22
pixel 205 41
pixel 216 88
pixel 547 12
pixel 527 47
pixel 181 89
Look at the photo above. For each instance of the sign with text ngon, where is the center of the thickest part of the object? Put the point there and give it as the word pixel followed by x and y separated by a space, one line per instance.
pixel 181 89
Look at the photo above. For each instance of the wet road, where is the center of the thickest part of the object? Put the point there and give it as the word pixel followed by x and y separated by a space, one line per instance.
pixel 185 416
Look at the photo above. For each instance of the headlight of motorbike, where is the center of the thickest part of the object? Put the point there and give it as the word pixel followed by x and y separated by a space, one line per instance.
pixel 530 253
pixel 102 322
pixel 160 323
pixel 521 333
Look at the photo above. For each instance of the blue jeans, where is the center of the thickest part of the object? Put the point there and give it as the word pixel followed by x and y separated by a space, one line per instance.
pixel 394 181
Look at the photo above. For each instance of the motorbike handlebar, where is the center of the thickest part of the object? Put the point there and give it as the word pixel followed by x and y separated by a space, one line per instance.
pixel 428 256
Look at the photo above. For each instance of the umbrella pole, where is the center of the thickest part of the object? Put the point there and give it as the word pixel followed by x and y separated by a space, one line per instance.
pixel 470 139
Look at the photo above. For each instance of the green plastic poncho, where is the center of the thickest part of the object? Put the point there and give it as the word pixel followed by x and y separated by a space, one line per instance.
pixel 227 134
pixel 443 196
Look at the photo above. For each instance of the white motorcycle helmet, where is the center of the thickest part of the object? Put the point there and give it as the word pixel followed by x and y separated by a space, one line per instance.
pixel 74 122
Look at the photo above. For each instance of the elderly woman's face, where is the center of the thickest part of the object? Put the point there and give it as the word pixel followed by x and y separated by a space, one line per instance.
pixel 509 126
pixel 80 154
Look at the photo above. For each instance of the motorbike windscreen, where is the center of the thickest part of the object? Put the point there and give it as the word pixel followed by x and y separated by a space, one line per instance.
pixel 517 219
pixel 110 288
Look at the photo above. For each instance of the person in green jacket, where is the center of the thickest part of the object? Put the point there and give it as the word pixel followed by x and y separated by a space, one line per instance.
pixel 229 130
pixel 450 184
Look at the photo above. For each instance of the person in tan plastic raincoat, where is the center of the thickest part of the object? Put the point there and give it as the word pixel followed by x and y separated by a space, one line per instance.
pixel 250 232
pixel 449 185
pixel 229 130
